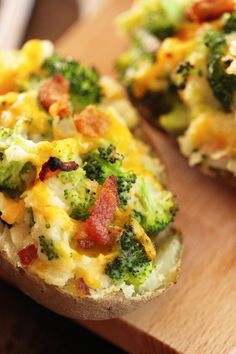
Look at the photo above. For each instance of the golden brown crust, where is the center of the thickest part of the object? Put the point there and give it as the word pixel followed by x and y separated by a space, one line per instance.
pixel 77 308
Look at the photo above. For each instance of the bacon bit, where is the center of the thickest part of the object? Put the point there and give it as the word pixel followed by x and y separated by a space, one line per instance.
pixel 27 255
pixel 169 55
pixel 55 91
pixel 97 225
pixel 91 122
pixel 54 166
pixel 82 287
pixel 206 10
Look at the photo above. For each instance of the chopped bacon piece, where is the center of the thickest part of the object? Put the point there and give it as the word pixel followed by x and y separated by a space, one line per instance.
pixel 54 166
pixel 97 225
pixel 206 10
pixel 27 255
pixel 55 90
pixel 91 122
pixel 82 287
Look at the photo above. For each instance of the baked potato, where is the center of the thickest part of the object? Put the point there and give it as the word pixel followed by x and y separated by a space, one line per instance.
pixel 180 73
pixel 85 216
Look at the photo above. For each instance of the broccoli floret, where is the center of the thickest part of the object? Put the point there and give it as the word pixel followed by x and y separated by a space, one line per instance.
pixel 182 73
pixel 84 82
pixel 223 85
pixel 177 120
pixel 47 247
pixel 154 209
pixel 81 202
pixel 160 17
pixel 31 84
pixel 164 23
pixel 15 177
pixel 104 162
pixel 159 24
pixel 30 217
pixel 132 265
pixel 132 61
pixel 80 198
pixel 230 25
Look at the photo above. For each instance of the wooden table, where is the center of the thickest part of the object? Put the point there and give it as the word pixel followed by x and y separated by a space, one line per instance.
pixel 199 314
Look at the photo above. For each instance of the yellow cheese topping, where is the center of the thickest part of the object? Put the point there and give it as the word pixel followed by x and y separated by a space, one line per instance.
pixel 143 238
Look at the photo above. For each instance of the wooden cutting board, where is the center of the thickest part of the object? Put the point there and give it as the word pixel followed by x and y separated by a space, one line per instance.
pixel 198 315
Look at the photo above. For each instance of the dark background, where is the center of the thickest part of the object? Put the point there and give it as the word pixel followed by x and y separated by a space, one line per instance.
pixel 25 327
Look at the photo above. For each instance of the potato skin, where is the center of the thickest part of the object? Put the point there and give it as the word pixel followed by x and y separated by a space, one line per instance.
pixel 76 308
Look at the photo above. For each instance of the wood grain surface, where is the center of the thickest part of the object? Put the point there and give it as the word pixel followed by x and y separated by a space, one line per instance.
pixel 198 315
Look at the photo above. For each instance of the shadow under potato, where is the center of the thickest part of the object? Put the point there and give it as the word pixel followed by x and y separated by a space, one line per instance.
pixel 29 328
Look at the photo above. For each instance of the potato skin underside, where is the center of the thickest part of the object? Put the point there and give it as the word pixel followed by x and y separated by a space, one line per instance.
pixel 76 308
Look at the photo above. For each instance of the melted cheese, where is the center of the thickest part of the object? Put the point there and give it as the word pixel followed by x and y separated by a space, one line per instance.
pixel 18 65
pixel 11 211
pixel 214 132
pixel 143 238
pixel 24 111
pixel 171 53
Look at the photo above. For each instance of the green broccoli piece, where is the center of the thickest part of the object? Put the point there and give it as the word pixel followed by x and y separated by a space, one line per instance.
pixel 223 85
pixel 154 209
pixel 84 82
pixel 15 177
pixel 31 84
pixel 132 61
pixel 176 121
pixel 164 23
pixel 230 24
pixel 159 24
pixel 160 17
pixel 47 247
pixel 104 162
pixel 132 265
pixel 80 198
pixel 81 202
pixel 182 73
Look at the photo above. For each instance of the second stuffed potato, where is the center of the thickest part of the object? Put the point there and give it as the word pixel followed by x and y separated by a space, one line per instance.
pixel 180 71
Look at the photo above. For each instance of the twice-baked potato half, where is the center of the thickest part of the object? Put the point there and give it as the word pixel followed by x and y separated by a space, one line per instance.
pixel 85 217
pixel 180 73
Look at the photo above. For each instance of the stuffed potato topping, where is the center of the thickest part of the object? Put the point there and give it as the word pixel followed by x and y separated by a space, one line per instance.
pixel 84 213
pixel 180 72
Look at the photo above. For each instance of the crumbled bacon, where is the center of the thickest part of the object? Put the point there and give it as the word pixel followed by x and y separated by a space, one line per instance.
pixel 27 255
pixel 55 91
pixel 91 122
pixel 54 166
pixel 206 10
pixel 96 228
pixel 82 287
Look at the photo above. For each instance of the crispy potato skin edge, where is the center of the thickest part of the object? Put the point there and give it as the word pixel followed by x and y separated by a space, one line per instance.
pixel 77 308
